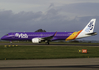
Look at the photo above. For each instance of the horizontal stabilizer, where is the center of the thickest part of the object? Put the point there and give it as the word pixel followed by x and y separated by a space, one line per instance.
pixel 94 33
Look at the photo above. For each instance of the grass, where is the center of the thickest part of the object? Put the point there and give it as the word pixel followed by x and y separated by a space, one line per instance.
pixel 46 52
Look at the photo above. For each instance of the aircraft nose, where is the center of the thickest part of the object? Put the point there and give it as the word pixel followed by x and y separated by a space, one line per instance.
pixel 3 38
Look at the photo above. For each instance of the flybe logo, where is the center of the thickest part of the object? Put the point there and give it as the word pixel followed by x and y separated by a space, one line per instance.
pixel 21 35
pixel 90 27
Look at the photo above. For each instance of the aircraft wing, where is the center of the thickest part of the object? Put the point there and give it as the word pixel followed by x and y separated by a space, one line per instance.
pixel 49 37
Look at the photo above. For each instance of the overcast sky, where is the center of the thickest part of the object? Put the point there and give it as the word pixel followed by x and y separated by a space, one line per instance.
pixel 50 15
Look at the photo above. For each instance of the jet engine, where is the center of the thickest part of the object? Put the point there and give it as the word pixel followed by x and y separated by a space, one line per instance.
pixel 36 40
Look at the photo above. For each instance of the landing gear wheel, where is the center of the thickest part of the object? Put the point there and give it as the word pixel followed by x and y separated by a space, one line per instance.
pixel 48 43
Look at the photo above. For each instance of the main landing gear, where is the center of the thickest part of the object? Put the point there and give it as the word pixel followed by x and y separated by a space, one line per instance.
pixel 47 42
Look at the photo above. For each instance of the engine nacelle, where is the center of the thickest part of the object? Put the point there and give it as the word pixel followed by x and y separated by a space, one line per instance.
pixel 36 40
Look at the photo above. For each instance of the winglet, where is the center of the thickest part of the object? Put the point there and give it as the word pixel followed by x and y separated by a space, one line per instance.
pixel 55 33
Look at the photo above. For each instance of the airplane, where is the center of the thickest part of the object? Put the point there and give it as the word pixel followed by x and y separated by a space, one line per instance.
pixel 38 37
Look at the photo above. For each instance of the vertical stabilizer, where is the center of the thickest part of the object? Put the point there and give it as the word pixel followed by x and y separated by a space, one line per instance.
pixel 90 26
pixel 88 30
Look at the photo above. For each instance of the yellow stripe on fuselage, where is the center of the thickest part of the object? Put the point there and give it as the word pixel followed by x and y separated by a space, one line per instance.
pixel 73 35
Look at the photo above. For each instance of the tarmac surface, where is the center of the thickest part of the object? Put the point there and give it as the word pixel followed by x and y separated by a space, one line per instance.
pixel 51 64
pixel 41 44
